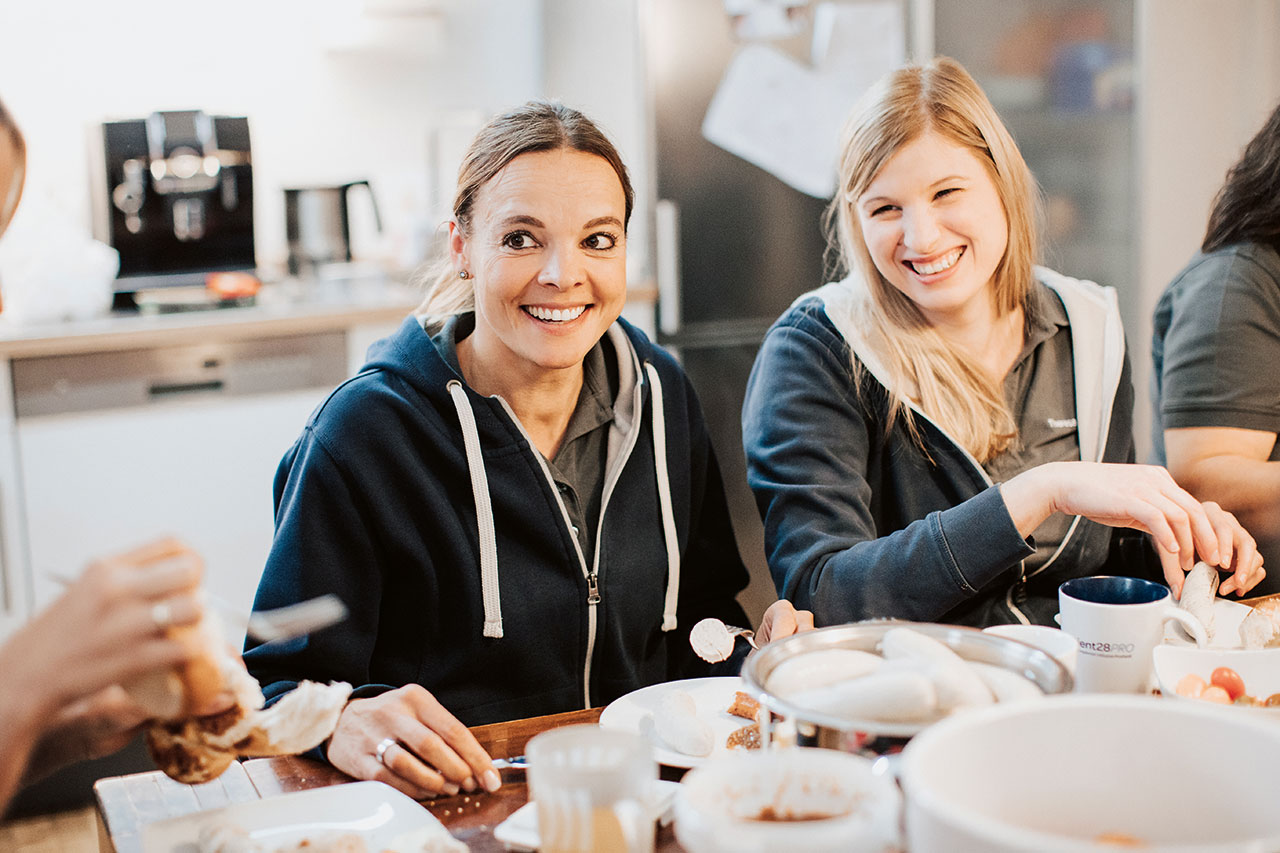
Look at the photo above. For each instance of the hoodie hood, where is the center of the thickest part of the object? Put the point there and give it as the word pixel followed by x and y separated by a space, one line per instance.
pixel 1097 339
pixel 488 422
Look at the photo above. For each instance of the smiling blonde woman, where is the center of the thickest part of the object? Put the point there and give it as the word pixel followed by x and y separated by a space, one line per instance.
pixel 944 434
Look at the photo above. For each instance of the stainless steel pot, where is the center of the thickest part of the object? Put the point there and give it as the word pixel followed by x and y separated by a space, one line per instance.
pixel 878 737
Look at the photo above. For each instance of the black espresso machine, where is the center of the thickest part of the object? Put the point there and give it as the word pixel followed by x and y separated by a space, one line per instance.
pixel 174 195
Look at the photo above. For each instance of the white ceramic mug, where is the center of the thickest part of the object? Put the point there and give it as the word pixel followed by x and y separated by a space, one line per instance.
pixel 592 787
pixel 1117 623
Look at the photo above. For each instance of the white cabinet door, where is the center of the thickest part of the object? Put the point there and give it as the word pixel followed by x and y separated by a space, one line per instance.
pixel 202 470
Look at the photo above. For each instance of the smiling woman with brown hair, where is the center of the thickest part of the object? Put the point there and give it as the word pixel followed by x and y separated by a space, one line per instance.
pixel 517 496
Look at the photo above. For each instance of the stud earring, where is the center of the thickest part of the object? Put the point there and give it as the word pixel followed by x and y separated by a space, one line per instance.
pixel 463 274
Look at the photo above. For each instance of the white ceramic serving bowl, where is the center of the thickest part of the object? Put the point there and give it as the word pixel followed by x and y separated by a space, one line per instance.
pixel 1260 669
pixel 1055 776
pixel 719 806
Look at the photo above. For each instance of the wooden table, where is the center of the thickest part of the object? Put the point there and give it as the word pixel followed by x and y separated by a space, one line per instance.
pixel 128 803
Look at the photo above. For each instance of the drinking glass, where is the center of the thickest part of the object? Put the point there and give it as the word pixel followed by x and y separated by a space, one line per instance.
pixel 592 787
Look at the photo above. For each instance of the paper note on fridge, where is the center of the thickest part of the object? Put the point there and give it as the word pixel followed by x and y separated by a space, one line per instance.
pixel 777 114
pixel 859 41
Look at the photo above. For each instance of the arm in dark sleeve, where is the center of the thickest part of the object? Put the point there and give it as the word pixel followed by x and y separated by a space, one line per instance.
pixel 322 545
pixel 712 573
pixel 808 439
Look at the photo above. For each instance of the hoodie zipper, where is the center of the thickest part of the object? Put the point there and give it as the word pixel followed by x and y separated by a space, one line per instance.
pixel 591 574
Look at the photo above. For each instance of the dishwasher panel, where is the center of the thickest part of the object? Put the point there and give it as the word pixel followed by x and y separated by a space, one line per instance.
pixel 83 382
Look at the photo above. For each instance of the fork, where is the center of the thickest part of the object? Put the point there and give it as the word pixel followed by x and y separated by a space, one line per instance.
pixel 267 626
pixel 283 623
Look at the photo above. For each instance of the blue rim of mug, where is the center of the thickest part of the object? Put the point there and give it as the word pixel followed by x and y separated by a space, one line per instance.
pixel 1113 589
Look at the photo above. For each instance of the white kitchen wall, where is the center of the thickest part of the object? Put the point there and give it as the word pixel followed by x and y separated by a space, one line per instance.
pixel 335 90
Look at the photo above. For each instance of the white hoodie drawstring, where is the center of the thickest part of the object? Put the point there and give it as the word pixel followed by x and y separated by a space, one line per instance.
pixel 664 500
pixel 484 511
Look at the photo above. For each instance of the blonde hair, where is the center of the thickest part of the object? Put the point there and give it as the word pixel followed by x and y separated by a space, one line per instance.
pixel 534 126
pixel 957 394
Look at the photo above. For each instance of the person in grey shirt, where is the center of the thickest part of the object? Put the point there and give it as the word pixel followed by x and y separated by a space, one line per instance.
pixel 1216 347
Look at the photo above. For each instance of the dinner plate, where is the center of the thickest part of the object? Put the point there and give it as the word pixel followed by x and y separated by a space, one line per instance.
pixel 377 813
pixel 712 696
pixel 1227 616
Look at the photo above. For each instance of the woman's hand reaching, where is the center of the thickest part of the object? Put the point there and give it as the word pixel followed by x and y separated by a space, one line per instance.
pixel 782 620
pixel 1143 497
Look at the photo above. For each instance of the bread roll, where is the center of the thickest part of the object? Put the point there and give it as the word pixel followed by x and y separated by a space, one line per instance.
pixel 196 749
pixel 1198 593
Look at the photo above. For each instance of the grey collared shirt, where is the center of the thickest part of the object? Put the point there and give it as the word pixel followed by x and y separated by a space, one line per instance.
pixel 1040 390
pixel 578 466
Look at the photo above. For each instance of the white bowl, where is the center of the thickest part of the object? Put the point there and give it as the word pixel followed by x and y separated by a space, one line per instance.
pixel 740 804
pixel 1055 641
pixel 1260 669
pixel 1056 776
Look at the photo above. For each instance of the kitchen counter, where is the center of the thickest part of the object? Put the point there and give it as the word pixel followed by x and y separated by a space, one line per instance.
pixel 287 308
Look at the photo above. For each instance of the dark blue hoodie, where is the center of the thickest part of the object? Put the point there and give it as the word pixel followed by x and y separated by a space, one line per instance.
pixel 377 502
pixel 861 521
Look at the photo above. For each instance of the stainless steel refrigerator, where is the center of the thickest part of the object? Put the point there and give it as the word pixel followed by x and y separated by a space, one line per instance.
pixel 735 245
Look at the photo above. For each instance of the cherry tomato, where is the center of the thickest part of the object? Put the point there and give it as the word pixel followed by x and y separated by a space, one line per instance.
pixel 1190 686
pixel 1229 680
pixel 1214 693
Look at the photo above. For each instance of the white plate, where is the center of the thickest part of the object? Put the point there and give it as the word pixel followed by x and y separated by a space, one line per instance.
pixel 1260 669
pixel 376 812
pixel 1227 616
pixel 634 713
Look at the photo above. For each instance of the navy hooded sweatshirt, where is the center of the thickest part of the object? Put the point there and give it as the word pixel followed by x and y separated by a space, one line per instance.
pixel 424 506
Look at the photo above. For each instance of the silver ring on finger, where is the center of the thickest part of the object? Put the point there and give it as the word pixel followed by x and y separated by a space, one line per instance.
pixel 380 751
pixel 161 615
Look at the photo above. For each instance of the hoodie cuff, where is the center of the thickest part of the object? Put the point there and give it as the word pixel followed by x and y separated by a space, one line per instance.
pixel 980 539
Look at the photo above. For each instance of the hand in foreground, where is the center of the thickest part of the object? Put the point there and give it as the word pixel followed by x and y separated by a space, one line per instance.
pixel 1143 497
pixel 782 620
pixel 427 752
pixel 107 627
pixel 95 726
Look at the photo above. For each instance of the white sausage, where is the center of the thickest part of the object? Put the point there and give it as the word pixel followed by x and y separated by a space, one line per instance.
pixel 818 669
pixel 892 695
pixel 1006 685
pixel 956 683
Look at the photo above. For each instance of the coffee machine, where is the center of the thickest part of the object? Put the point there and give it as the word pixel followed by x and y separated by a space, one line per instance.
pixel 174 195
